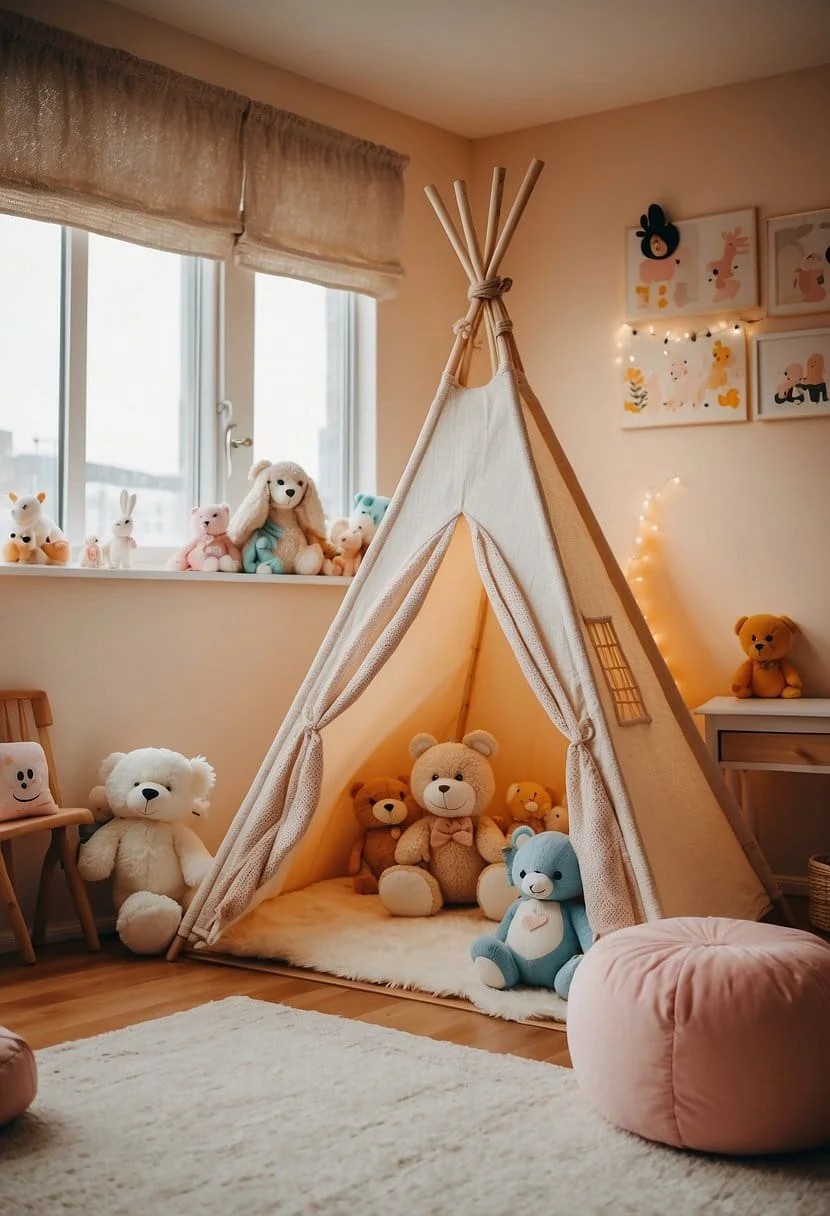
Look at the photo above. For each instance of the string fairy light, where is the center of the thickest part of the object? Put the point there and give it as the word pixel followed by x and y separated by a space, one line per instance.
pixel 639 567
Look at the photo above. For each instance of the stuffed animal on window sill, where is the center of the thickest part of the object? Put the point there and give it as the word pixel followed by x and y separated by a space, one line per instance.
pixel 285 495
pixel 34 538
pixel 118 551
pixel 91 556
pixel 23 549
pixel 258 556
pixel 383 808
pixel 532 804
pixel 545 932
pixel 211 550
pixel 369 510
pixel 156 861
pixel 767 672
pixel 441 858
pixel 349 543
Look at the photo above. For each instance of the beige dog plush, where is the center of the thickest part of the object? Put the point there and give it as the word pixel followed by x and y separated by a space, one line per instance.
pixel 284 494
pixel 440 859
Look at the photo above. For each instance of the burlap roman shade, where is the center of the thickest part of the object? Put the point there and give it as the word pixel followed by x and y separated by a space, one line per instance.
pixel 320 204
pixel 92 137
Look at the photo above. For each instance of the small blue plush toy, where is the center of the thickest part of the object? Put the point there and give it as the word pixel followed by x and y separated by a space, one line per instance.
pixel 259 550
pixel 373 506
pixel 544 934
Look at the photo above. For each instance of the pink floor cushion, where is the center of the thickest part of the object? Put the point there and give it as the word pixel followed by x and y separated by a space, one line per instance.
pixel 707 1033
pixel 18 1076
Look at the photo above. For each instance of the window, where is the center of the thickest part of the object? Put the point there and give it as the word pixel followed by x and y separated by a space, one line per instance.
pixel 625 692
pixel 113 357
pixel 30 358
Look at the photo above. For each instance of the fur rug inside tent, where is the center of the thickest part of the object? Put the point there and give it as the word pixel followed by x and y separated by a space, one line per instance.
pixel 326 927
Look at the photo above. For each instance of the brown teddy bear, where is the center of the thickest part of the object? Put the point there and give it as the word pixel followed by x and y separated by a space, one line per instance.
pixel 384 808
pixel 767 672
pixel 531 803
pixel 441 857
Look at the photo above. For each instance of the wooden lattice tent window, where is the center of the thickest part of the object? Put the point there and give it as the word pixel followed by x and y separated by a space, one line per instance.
pixel 625 692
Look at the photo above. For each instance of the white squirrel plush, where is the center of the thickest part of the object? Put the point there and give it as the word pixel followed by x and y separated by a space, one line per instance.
pixel 156 861
pixel 120 546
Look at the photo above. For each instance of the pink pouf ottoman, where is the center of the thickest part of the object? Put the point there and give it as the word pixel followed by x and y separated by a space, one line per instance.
pixel 707 1033
pixel 18 1076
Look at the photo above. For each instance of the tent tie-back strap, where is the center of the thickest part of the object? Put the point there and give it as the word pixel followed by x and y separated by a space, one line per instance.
pixel 585 727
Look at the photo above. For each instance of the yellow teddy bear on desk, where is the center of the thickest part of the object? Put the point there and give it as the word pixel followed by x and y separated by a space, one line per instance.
pixel 767 672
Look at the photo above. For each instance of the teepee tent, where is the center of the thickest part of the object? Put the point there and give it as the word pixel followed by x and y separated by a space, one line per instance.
pixel 490 597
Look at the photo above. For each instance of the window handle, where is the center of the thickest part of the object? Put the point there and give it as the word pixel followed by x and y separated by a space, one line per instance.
pixel 225 410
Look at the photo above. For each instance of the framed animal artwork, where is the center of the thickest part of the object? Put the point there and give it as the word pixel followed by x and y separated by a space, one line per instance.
pixel 792 370
pixel 798 263
pixel 691 267
pixel 683 381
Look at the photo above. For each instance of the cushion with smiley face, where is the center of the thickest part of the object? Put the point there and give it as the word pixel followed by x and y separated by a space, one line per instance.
pixel 24 782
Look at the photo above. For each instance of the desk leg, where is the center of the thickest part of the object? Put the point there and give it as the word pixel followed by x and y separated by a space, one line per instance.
pixel 738 783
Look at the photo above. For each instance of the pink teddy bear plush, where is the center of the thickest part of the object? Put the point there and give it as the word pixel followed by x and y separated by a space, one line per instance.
pixel 211 548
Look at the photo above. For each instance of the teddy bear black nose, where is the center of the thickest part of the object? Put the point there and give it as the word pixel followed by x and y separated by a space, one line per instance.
pixel 389 806
pixel 759 645
pixel 290 493
pixel 443 788
pixel 150 794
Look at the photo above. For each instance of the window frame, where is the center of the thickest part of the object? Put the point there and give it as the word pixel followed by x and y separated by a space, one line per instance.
pixel 218 326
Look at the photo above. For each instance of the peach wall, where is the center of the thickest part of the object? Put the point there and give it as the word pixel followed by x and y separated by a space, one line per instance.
pixel 747 530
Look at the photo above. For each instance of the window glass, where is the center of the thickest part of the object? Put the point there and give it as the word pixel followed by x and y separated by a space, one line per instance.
pixel 299 403
pixel 30 359
pixel 139 410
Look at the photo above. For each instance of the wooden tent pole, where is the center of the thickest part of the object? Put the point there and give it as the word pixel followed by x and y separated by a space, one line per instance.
pixel 475 653
pixel 463 203
pixel 516 211
pixel 494 212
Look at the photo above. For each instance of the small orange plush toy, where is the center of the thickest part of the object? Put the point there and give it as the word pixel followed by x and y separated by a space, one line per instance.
pixel 767 672
pixel 531 803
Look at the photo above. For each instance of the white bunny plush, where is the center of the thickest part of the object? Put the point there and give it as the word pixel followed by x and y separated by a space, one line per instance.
pixel 120 547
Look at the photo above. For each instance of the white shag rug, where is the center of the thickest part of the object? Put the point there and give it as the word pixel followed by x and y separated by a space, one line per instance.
pixel 326 927
pixel 243 1108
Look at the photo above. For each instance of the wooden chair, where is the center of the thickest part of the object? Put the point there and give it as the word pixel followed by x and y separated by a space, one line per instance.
pixel 27 716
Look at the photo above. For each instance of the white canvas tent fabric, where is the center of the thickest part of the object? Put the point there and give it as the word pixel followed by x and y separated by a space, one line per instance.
pixel 653 825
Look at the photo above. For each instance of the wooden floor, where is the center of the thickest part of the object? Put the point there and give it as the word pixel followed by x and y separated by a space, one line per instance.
pixel 69 994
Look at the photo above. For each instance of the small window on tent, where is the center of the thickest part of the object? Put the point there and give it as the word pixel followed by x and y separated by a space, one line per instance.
pixel 624 690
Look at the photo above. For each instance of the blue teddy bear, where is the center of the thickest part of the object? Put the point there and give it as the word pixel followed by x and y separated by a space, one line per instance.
pixel 544 934
pixel 258 550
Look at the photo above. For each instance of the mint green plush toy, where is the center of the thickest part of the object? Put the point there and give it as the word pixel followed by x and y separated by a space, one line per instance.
pixel 258 553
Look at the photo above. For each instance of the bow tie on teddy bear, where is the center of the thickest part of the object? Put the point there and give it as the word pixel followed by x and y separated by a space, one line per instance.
pixel 459 830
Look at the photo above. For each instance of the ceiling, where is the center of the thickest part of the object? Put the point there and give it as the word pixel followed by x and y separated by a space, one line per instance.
pixel 482 67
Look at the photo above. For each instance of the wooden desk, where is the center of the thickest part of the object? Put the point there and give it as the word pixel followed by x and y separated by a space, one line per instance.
pixel 767 735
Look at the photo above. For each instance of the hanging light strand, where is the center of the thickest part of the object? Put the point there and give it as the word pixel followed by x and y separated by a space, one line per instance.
pixel 639 567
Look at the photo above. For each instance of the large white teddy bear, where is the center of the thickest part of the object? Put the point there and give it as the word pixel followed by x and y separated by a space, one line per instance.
pixel 156 861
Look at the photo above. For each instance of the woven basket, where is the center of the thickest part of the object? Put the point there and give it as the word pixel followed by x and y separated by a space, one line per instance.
pixel 818 873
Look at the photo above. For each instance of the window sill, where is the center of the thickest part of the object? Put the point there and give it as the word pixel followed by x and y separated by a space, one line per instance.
pixel 15 570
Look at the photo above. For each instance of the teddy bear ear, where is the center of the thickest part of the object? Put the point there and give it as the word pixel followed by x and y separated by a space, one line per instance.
pixel 512 791
pixel 481 741
pixel 109 764
pixel 404 781
pixel 521 835
pixel 739 624
pixel 791 625
pixel 356 788
pixel 204 781
pixel 420 744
